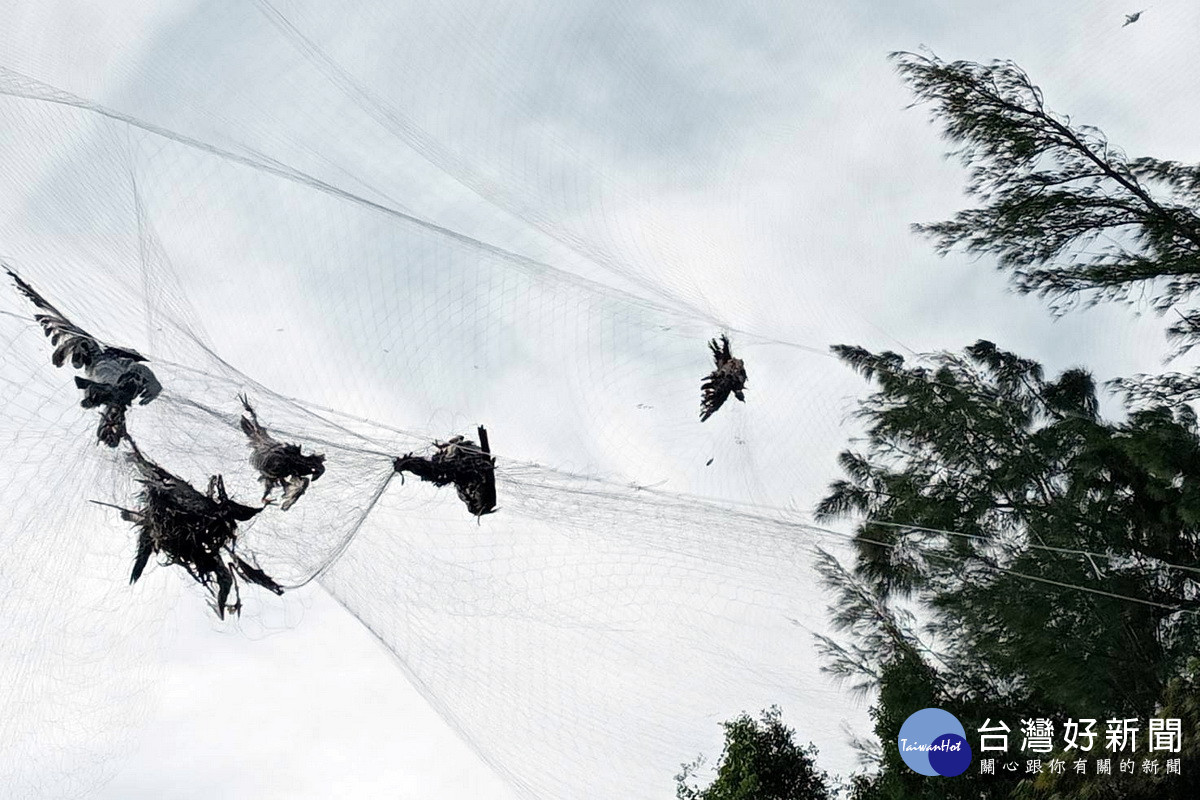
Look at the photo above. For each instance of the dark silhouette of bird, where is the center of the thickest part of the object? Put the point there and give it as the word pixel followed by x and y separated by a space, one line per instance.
pixel 115 376
pixel 279 463
pixel 194 530
pixel 469 466
pixel 728 378
pixel 1132 18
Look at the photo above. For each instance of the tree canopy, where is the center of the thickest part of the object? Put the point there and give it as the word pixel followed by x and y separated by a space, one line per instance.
pixel 1049 555
pixel 1015 552
pixel 761 761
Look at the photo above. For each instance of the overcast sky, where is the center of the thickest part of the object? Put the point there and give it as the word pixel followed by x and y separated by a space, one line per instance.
pixel 744 165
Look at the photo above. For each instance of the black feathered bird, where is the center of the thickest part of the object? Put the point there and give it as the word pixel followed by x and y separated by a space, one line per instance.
pixel 469 466
pixel 279 463
pixel 116 376
pixel 729 377
pixel 197 531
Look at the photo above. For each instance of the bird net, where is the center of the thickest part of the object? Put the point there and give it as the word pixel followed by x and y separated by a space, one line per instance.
pixel 383 247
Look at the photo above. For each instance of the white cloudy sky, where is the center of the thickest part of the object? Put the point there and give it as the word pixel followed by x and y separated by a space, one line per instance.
pixel 754 159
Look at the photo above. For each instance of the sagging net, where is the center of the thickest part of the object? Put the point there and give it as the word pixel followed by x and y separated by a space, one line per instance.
pixel 382 249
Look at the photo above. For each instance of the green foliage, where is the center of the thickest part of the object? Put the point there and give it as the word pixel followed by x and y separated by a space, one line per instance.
pixel 760 762
pixel 1182 702
pixel 1061 208
pixel 1001 502
pixel 1015 553
pixel 1069 215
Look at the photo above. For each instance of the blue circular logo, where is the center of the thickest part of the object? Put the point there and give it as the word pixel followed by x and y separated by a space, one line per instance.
pixel 934 742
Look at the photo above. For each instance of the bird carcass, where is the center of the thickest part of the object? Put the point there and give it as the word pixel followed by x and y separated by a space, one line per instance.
pixel 115 376
pixel 279 463
pixel 194 530
pixel 729 377
pixel 462 462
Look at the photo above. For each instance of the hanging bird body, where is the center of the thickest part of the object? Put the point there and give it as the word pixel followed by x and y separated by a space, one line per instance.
pixel 114 376
pixel 1134 17
pixel 463 463
pixel 279 463
pixel 729 377
pixel 194 530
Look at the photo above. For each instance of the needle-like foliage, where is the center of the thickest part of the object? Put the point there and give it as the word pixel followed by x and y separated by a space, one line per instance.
pixel 1063 210
pixel 1017 554
pixel 1049 553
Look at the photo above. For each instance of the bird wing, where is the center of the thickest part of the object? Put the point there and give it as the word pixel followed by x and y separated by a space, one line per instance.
pixel 256 575
pixel 151 388
pixel 144 550
pixel 253 428
pixel 69 339
pixel 715 391
pixel 149 470
pixel 722 352
pixel 255 433
pixel 241 512
pixel 716 351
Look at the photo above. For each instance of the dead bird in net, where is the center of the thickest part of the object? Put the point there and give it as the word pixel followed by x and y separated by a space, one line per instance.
pixel 196 531
pixel 729 377
pixel 279 463
pixel 116 376
pixel 467 465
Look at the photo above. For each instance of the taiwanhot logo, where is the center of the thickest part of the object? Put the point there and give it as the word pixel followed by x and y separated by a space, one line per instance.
pixel 933 742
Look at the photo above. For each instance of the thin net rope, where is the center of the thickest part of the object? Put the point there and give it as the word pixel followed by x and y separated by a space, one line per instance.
pixel 261 206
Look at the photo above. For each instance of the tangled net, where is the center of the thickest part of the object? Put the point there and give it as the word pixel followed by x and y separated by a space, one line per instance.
pixel 196 531
pixel 644 576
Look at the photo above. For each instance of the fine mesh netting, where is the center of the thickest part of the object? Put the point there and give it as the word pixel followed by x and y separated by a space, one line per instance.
pixel 382 248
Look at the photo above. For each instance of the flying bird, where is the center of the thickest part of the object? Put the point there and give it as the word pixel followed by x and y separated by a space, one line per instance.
pixel 1132 18
pixel 197 531
pixel 279 463
pixel 729 377
pixel 115 376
